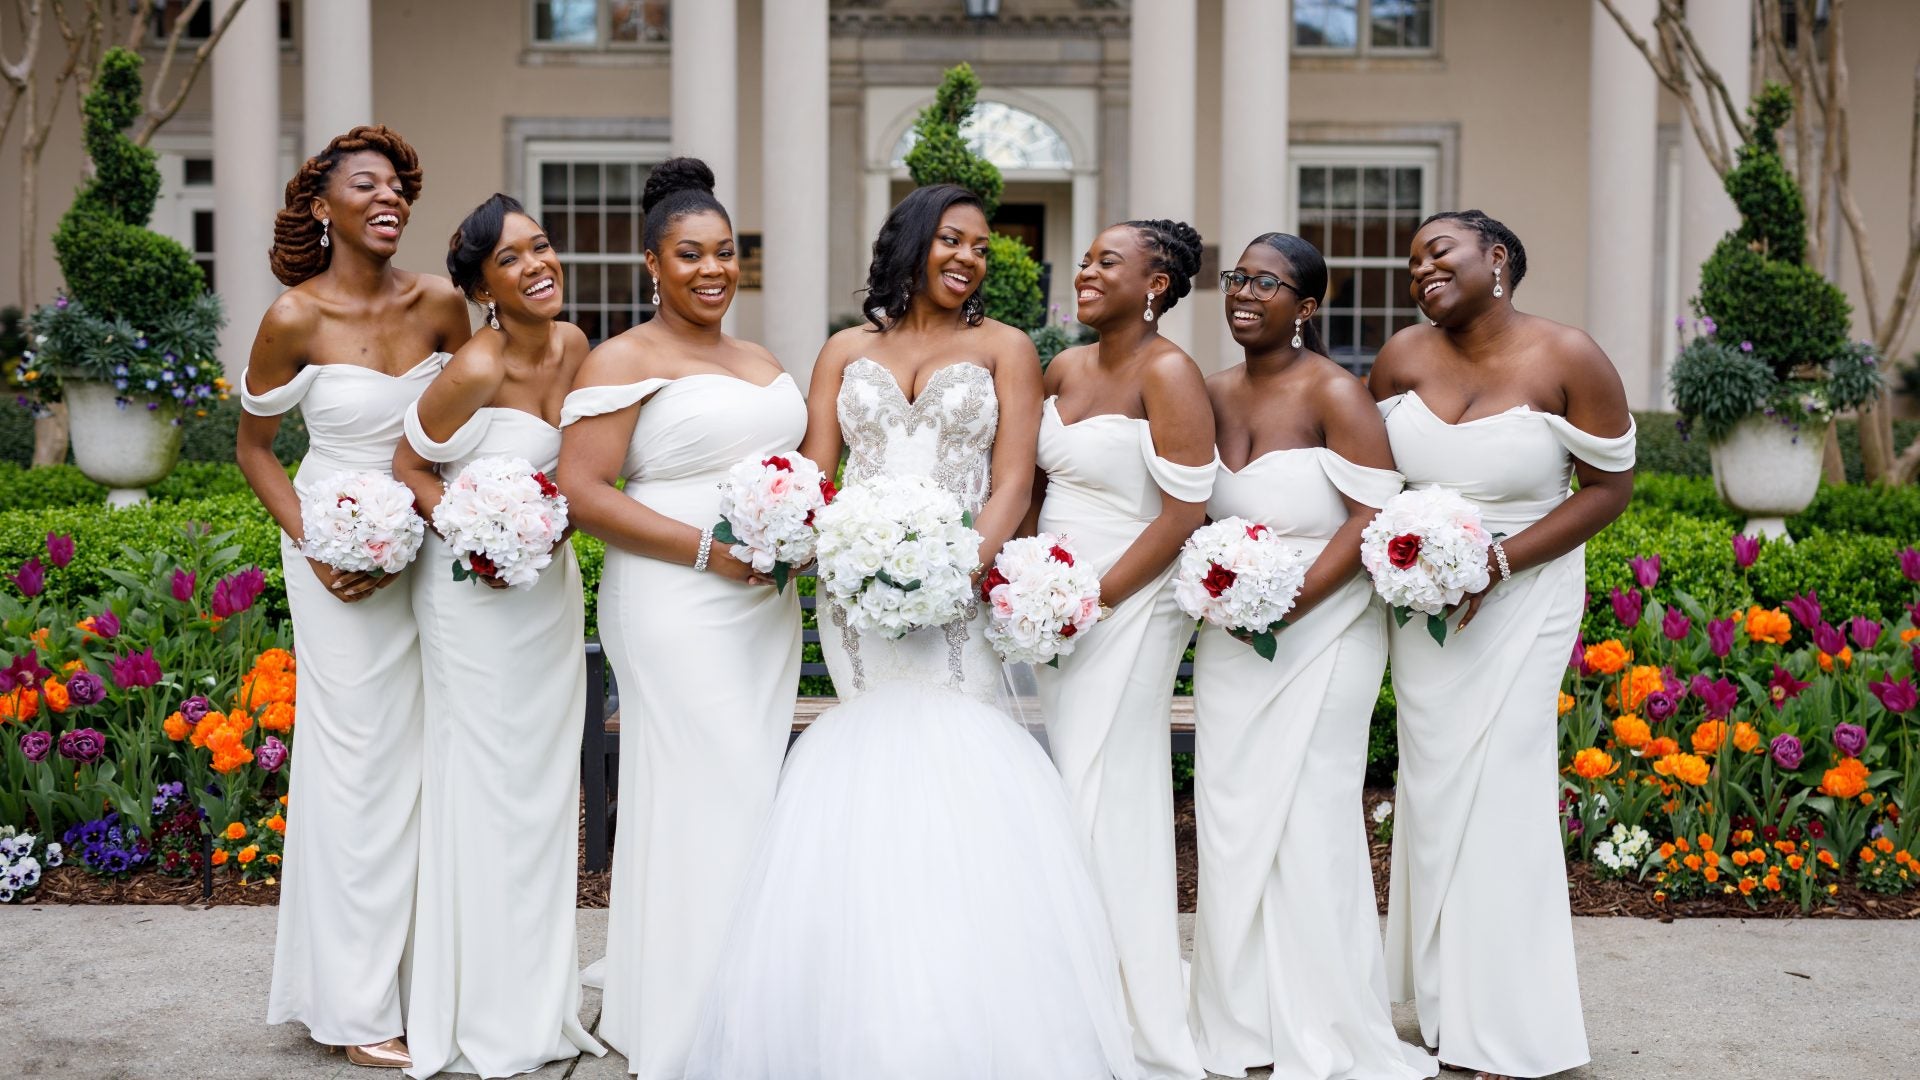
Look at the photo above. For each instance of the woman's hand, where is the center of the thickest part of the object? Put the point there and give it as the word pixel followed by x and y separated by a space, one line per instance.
pixel 1470 603
pixel 721 561
pixel 350 586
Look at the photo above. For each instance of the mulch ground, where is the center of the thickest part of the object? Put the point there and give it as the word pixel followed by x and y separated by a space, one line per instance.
pixel 1590 895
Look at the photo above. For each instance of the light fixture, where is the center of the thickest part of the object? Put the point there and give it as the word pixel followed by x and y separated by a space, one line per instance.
pixel 983 9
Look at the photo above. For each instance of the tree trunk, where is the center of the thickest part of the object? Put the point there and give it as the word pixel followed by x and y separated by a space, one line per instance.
pixel 50 437
pixel 1833 467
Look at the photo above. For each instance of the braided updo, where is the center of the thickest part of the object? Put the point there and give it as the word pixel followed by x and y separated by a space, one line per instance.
pixel 1491 232
pixel 1176 252
pixel 296 254
pixel 675 188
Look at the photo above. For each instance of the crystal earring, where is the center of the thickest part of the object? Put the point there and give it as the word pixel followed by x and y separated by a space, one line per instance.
pixel 493 315
pixel 324 241
pixel 656 294
pixel 1497 290
pixel 1296 331
pixel 1149 315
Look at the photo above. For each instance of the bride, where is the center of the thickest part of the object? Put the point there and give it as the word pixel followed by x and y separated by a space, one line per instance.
pixel 919 905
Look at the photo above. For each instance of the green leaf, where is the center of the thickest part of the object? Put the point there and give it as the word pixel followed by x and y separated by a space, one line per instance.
pixel 1401 615
pixel 1054 662
pixel 723 532
pixel 1437 628
pixel 887 579
pixel 781 572
pixel 1264 644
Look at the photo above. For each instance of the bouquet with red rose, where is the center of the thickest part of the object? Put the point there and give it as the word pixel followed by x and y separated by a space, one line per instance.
pixel 1039 596
pixel 766 512
pixel 503 519
pixel 1426 549
pixel 1239 576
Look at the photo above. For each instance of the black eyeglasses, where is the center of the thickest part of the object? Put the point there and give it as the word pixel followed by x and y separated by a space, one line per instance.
pixel 1265 286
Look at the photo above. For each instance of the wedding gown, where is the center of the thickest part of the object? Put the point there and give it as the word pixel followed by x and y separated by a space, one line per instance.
pixel 1287 966
pixel 707 668
pixel 495 958
pixel 1479 932
pixel 919 905
pixel 1107 707
pixel 340 954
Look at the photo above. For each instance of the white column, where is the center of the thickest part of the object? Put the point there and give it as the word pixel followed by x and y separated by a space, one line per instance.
pixel 706 94
pixel 793 217
pixel 1086 216
pixel 1724 29
pixel 1622 133
pixel 1162 62
pixel 1255 182
pixel 246 171
pixel 336 69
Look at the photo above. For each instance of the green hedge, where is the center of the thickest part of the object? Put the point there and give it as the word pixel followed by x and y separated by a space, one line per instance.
pixel 1659 446
pixel 63 485
pixel 209 439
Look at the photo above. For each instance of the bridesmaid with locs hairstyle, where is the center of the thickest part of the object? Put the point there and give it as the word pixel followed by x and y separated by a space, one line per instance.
pixel 1287 965
pixel 495 987
pixel 352 342
pixel 705 652
pixel 1126 462
pixel 1505 408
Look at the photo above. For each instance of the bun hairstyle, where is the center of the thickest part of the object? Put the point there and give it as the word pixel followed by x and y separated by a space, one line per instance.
pixel 473 242
pixel 1491 232
pixel 898 271
pixel 297 254
pixel 675 188
pixel 1310 269
pixel 1176 252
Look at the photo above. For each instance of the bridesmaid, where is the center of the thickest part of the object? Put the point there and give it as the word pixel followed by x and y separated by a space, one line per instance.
pixel 1287 967
pixel 705 652
pixel 495 964
pixel 352 342
pixel 1504 408
pixel 1126 480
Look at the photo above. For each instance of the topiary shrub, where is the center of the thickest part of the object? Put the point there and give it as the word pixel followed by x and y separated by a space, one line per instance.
pixel 1012 288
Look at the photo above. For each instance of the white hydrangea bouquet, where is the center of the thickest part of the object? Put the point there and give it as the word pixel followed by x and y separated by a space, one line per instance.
pixel 361 522
pixel 1239 576
pixel 1039 597
pixel 502 518
pixel 1426 549
pixel 897 553
pixel 767 507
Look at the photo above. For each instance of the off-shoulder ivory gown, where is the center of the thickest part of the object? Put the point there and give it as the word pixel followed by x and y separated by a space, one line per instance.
pixel 1479 933
pixel 353 809
pixel 919 906
pixel 495 959
pixel 707 669
pixel 1107 707
pixel 1287 965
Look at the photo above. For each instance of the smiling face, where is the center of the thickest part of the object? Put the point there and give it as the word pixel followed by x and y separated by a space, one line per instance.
pixel 957 257
pixel 1115 276
pixel 364 204
pixel 1452 274
pixel 1261 325
pixel 696 269
pixel 522 274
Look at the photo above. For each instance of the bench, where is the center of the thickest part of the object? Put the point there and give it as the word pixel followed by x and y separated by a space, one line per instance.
pixel 600 736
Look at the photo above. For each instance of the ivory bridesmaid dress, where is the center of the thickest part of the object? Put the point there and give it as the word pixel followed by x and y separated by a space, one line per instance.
pixel 1479 933
pixel 1287 965
pixel 353 814
pixel 1107 707
pixel 707 670
pixel 495 960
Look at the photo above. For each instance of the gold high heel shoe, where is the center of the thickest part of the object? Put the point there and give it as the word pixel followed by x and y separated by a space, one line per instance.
pixel 391 1054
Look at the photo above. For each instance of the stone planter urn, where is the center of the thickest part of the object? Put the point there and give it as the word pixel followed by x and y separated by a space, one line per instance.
pixel 1768 471
pixel 124 448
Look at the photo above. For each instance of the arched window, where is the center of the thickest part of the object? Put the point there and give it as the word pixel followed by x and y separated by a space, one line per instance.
pixel 1010 138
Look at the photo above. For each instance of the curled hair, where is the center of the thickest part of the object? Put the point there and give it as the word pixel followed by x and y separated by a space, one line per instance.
pixel 473 242
pixel 1310 272
pixel 675 188
pixel 1491 232
pixel 898 272
pixel 1176 252
pixel 297 254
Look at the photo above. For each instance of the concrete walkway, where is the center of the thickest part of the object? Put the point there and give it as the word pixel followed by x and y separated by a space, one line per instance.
pixel 162 993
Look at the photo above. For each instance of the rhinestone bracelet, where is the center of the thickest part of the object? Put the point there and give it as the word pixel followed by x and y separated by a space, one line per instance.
pixel 706 549
pixel 1500 556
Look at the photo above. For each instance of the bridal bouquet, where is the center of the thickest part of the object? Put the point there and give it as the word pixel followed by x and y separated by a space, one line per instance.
pixel 361 522
pixel 897 553
pixel 502 519
pixel 766 512
pixel 1038 597
pixel 1426 550
pixel 1239 576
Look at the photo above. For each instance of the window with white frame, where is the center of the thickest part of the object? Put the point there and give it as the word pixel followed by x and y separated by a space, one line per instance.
pixel 1363 27
pixel 199 27
pixel 1361 205
pixel 587 197
pixel 599 24
pixel 184 207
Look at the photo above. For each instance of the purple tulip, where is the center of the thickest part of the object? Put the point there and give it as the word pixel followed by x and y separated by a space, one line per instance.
pixel 1579 661
pixel 1708 326
pixel 1851 739
pixel 31 578
pixel 86 688
pixel 1787 752
pixel 1718 697
pixel 237 592
pixel 59 549
pixel 1896 695
pixel 1720 635
pixel 1660 705
pixel 35 745
pixel 194 708
pixel 1745 550
pixel 1783 687
pixel 1646 571
pixel 135 670
pixel 1910 563
pixel 106 625
pixel 1627 607
pixel 270 754
pixel 25 671
pixel 1864 630
pixel 1828 640
pixel 1676 626
pixel 1673 683
pixel 83 745
pixel 183 581
pixel 1805 609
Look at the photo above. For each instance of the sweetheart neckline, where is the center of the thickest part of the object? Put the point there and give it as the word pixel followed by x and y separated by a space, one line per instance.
pixel 914 402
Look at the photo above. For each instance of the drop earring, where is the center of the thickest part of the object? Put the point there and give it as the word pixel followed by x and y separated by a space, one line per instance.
pixel 1497 290
pixel 325 241
pixel 1149 315
pixel 1296 331
pixel 493 315
pixel 656 294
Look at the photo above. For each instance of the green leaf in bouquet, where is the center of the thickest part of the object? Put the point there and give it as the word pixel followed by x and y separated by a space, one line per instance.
pixel 723 532
pixel 966 518
pixel 885 578
pixel 781 572
pixel 1437 629
pixel 1054 662
pixel 1265 644
pixel 1401 615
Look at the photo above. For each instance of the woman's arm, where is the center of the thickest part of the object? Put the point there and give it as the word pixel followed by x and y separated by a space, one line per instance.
pixel 822 443
pixel 1354 431
pixel 1016 385
pixel 1181 420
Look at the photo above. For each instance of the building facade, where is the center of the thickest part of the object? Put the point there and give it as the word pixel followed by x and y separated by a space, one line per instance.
pixel 1347 121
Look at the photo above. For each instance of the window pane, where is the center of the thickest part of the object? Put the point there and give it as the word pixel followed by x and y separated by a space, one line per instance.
pixel 623 182
pixel 1344 189
pixel 623 232
pixel 197 172
pixel 1374 185
pixel 1313 188
pixel 1325 24
pixel 203 231
pixel 553 182
pixel 639 20
pixel 206 267
pixel 1341 236
pixel 1401 24
pixel 590 324
pixel 620 285
pixel 566 22
pixel 555 222
pixel 586 283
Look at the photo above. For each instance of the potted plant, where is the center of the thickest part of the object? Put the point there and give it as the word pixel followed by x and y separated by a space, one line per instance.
pixel 1770 364
pixel 130 345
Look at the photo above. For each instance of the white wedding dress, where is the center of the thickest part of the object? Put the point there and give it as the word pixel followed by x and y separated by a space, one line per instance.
pixel 919 905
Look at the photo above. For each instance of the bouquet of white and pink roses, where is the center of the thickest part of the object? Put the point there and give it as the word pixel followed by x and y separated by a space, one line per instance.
pixel 361 522
pixel 897 553
pixel 502 518
pixel 1426 550
pixel 766 512
pixel 1039 596
pixel 1239 576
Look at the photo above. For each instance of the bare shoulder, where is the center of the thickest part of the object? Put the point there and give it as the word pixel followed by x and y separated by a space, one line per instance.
pixel 286 333
pixel 1396 362
pixel 1340 395
pixel 1169 366
pixel 617 360
pixel 1006 342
